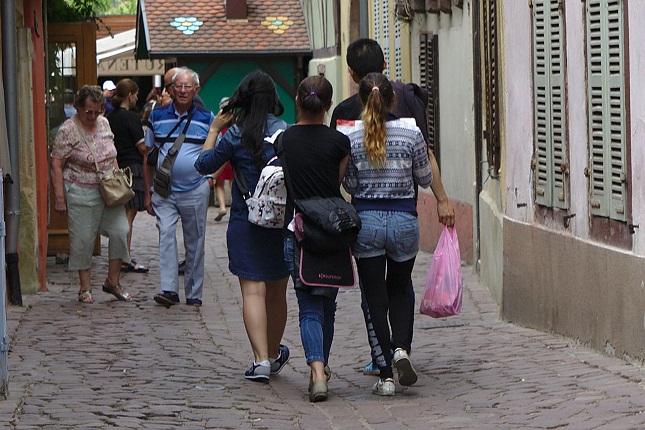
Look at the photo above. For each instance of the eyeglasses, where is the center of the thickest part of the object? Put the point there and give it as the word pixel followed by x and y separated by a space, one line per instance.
pixel 183 86
pixel 93 112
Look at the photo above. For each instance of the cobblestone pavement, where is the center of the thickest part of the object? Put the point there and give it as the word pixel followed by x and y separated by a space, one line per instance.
pixel 140 366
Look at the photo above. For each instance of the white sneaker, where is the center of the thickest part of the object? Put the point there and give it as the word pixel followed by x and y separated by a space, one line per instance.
pixel 407 375
pixel 384 387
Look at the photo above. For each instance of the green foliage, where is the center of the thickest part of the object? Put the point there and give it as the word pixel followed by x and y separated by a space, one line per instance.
pixel 84 10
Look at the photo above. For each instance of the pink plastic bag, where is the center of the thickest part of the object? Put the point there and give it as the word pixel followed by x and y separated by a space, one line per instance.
pixel 444 285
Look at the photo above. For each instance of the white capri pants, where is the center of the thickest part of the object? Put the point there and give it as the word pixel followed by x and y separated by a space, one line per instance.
pixel 88 216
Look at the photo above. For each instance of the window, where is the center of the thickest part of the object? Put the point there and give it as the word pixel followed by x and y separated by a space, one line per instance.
pixel 608 173
pixel 491 83
pixel 550 152
pixel 429 71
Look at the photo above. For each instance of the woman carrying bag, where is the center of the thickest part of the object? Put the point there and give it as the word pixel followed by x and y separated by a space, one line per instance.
pixel 83 153
pixel 388 156
pixel 254 253
pixel 315 159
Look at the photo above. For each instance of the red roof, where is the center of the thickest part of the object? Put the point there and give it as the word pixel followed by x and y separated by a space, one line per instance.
pixel 198 27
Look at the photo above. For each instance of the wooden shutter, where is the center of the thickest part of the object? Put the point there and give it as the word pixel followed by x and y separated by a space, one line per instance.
pixel 429 71
pixel 385 35
pixel 606 102
pixel 551 167
pixel 491 77
pixel 376 17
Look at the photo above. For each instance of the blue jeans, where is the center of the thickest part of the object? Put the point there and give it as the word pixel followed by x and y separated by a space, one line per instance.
pixel 391 233
pixel 316 313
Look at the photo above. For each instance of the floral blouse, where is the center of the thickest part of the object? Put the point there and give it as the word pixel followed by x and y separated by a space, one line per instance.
pixel 79 159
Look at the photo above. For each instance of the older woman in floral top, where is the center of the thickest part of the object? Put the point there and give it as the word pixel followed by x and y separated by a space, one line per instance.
pixel 80 141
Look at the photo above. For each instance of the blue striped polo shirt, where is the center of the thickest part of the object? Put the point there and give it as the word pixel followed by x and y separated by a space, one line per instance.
pixel 160 123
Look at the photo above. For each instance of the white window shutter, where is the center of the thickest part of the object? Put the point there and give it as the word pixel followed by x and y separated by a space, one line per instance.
pixel 543 155
pixel 606 93
pixel 551 165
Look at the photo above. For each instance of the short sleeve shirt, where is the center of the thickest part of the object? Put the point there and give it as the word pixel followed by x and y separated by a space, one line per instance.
pixel 162 133
pixel 80 148
pixel 128 131
pixel 313 154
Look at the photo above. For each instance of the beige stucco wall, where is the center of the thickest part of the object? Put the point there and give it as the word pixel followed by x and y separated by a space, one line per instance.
pixel 578 288
pixel 28 229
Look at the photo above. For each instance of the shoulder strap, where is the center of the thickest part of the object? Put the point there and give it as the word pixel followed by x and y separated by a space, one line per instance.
pixel 169 160
pixel 81 134
pixel 278 147
pixel 240 182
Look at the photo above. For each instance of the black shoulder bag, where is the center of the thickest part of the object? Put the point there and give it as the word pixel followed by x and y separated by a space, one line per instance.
pixel 325 230
pixel 163 173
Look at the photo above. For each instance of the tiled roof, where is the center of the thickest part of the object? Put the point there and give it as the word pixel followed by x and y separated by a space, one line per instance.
pixel 192 27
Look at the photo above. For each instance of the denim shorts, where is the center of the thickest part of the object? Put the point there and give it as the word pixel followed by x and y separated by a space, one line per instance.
pixel 391 233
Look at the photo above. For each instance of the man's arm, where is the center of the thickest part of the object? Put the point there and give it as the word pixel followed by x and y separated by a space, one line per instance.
pixel 445 209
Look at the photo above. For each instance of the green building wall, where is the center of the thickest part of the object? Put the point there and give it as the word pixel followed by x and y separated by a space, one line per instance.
pixel 228 75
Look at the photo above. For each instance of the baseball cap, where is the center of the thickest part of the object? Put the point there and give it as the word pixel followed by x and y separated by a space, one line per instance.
pixel 108 85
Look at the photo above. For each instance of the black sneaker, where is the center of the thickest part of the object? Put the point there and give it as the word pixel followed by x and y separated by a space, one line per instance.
pixel 258 372
pixel 283 357
pixel 166 298
pixel 182 267
pixel 193 302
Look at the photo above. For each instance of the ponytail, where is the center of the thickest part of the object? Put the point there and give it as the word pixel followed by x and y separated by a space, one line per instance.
pixel 373 117
pixel 377 96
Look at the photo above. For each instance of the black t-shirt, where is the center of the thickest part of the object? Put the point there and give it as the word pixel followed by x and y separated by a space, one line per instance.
pixel 350 108
pixel 313 154
pixel 127 129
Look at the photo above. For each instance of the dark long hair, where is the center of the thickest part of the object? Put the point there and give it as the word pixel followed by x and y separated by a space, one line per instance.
pixel 253 100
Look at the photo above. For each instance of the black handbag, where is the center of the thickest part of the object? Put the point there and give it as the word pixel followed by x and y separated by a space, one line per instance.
pixel 325 230
pixel 327 224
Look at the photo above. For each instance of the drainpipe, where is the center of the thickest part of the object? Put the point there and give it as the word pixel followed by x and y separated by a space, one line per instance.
pixel 9 67
pixel 477 90
pixel 4 341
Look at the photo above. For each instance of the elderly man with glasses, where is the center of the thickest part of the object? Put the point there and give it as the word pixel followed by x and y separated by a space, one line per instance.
pixel 188 191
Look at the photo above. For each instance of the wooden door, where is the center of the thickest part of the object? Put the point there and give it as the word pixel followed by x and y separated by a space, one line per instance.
pixel 71 63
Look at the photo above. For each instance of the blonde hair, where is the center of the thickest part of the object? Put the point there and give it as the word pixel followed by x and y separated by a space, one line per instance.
pixel 376 94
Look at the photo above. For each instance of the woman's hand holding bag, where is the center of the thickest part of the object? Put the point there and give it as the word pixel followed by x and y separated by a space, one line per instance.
pixel 444 285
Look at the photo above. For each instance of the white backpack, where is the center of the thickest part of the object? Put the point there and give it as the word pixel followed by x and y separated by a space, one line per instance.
pixel 268 203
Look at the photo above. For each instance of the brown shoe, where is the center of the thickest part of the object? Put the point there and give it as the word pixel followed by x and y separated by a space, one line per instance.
pixel 117 291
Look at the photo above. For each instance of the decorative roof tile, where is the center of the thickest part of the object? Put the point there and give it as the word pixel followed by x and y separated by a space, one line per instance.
pixel 200 27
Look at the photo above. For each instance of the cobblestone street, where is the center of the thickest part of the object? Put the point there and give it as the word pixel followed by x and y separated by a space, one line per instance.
pixel 138 365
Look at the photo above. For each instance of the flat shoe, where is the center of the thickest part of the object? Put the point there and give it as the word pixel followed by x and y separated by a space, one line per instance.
pixel 220 215
pixel 318 391
pixel 117 291
pixel 133 266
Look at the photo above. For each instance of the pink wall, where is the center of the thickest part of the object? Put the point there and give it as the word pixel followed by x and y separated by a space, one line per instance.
pixel 430 228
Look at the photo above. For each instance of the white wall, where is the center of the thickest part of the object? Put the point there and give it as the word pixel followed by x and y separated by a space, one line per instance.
pixel 637 108
pixel 577 117
pixel 518 116
pixel 456 96
pixel 516 100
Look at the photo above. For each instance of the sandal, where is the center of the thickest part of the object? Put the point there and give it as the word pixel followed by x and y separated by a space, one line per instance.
pixel 85 296
pixel 117 291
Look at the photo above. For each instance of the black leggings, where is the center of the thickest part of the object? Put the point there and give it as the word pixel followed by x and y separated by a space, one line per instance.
pixel 388 296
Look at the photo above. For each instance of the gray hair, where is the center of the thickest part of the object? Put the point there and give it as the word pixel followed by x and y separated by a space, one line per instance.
pixel 92 92
pixel 186 71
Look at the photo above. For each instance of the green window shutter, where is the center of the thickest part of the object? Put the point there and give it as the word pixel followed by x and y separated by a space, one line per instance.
pixel 551 172
pixel 606 100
